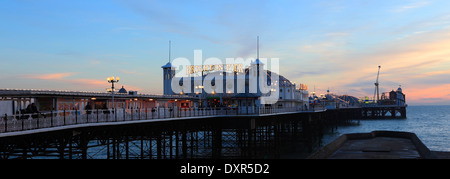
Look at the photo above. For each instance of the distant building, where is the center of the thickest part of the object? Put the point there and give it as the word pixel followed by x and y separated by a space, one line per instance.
pixel 397 97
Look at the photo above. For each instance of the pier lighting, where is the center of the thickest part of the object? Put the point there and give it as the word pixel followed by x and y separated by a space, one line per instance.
pixel 200 87
pixel 113 80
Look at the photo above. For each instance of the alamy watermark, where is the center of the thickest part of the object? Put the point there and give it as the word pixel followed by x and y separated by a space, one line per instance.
pixel 258 77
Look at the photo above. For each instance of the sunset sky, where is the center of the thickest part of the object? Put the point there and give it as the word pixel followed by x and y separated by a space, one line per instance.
pixel 335 44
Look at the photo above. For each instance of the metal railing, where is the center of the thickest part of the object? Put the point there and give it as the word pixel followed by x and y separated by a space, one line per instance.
pixel 51 119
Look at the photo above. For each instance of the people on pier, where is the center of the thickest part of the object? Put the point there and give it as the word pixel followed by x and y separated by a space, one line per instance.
pixel 88 108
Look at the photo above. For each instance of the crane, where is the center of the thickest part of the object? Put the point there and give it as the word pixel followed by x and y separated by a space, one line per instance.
pixel 377 90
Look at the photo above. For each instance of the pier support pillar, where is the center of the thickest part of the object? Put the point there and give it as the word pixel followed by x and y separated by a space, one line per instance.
pixel 158 146
pixel 216 143
pixel 184 144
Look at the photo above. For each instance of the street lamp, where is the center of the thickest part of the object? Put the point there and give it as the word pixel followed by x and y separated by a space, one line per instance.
pixel 200 87
pixel 113 80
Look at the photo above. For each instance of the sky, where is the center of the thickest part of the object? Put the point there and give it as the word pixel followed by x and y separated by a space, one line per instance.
pixel 335 45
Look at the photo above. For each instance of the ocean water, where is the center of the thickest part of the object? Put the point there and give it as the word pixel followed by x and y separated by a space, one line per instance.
pixel 430 123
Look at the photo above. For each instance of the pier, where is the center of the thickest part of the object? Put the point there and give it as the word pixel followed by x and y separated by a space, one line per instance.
pixel 157 127
pixel 176 125
pixel 176 134
pixel 383 111
pixel 72 118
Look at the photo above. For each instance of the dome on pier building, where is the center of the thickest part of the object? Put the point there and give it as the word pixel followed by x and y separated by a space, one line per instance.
pixel 257 62
pixel 399 89
pixel 282 81
pixel 168 65
pixel 122 90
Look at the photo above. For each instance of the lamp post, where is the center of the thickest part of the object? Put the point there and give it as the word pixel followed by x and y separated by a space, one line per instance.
pixel 200 87
pixel 113 80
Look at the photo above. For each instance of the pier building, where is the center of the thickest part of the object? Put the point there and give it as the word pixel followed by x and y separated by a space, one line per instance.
pixel 20 101
pixel 391 105
pixel 232 95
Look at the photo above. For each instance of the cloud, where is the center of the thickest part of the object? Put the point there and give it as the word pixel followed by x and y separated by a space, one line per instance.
pixel 337 34
pixel 221 25
pixel 94 62
pixel 407 68
pixel 128 72
pixel 125 29
pixel 409 55
pixel 427 93
pixel 420 63
pixel 411 6
pixel 423 25
pixel 317 47
pixel 174 20
pixel 434 73
pixel 89 82
pixel 432 99
pixel 333 6
pixel 50 76
pixel 242 28
pixel 63 80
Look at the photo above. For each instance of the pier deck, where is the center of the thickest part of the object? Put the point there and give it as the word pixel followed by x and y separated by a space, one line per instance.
pixel 21 130
pixel 217 135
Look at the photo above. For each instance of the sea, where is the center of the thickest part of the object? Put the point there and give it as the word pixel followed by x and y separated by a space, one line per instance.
pixel 430 123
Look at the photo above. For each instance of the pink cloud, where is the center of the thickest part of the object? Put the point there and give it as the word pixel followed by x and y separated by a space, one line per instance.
pixel 50 76
pixel 129 72
pixel 60 81
pixel 88 82
pixel 419 62
pixel 429 94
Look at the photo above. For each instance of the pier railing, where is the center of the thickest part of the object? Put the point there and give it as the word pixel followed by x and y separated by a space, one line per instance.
pixel 22 122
